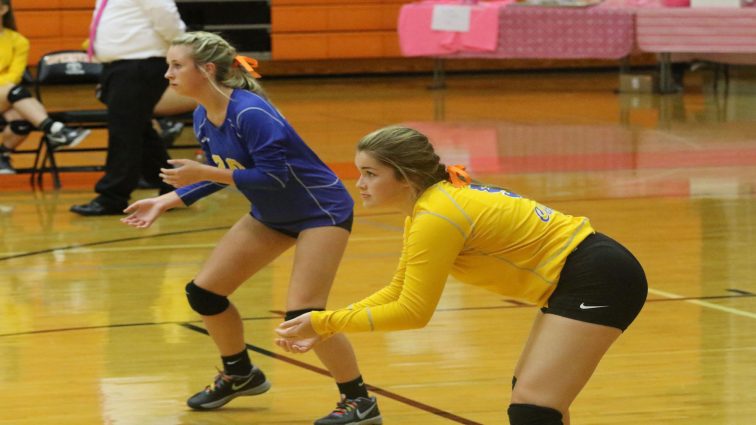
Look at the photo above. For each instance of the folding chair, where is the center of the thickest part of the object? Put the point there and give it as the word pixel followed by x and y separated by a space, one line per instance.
pixel 73 67
pixel 66 67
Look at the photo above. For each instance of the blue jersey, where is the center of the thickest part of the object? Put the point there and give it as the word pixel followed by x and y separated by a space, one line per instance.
pixel 272 166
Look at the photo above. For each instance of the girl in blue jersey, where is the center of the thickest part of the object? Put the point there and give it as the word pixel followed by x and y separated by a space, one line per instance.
pixel 590 287
pixel 296 201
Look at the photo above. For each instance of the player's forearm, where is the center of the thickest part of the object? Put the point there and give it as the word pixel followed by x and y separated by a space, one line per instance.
pixel 218 175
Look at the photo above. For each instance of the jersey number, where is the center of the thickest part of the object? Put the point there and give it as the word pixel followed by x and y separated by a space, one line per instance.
pixel 543 212
pixel 228 164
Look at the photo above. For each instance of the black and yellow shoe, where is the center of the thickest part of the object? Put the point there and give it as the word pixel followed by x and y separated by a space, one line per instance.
pixel 358 411
pixel 227 387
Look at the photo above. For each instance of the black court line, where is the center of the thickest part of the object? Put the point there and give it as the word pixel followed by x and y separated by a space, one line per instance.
pixel 136 238
pixel 279 314
pixel 133 238
pixel 740 291
pixel 120 325
pixel 385 393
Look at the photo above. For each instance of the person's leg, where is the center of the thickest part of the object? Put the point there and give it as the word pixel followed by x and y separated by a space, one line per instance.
pixel 172 103
pixel 568 340
pixel 245 249
pixel 130 89
pixel 32 113
pixel 154 157
pixel 317 257
pixel 316 260
pixel 14 133
pixel 20 99
pixel 557 361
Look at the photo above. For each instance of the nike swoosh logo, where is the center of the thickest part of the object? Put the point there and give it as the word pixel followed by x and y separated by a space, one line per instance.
pixel 235 387
pixel 588 307
pixel 234 362
pixel 362 415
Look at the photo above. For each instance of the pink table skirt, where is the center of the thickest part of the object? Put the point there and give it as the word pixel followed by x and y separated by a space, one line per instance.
pixel 499 30
pixel 696 30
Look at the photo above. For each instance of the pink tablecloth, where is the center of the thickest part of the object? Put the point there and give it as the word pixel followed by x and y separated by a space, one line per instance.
pixel 689 30
pixel 604 31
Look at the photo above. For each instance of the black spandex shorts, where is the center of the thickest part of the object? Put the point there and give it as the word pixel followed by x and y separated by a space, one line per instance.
pixel 601 283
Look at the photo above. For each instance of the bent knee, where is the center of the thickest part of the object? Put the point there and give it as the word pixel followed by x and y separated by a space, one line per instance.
pixel 524 394
pixel 205 302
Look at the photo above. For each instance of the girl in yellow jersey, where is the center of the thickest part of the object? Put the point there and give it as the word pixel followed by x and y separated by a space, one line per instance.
pixel 589 287
pixel 20 113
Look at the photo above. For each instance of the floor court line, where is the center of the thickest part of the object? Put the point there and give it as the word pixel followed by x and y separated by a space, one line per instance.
pixel 86 250
pixel 85 246
pixel 706 304
pixel 279 314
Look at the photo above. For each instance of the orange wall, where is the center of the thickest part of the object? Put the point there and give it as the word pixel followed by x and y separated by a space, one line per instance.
pixel 53 24
pixel 334 29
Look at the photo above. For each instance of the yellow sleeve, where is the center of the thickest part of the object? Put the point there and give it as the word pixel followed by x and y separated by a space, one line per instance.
pixel 431 247
pixel 15 71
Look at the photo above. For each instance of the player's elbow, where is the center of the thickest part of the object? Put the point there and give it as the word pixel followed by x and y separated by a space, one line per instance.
pixel 419 320
pixel 279 180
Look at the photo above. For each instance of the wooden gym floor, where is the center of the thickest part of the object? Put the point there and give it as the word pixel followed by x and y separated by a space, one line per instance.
pixel 95 329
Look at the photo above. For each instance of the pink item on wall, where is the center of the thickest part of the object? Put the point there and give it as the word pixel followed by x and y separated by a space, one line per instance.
pixel 676 3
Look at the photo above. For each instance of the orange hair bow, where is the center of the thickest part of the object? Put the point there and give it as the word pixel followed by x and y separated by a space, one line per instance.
pixel 458 175
pixel 248 64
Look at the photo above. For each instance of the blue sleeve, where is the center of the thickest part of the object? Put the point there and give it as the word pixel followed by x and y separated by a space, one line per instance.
pixel 265 136
pixel 194 192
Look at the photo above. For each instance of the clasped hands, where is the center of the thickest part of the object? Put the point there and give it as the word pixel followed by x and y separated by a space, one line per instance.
pixel 297 335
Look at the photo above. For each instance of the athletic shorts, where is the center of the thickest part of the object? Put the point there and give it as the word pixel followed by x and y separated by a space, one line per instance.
pixel 601 283
pixel 293 229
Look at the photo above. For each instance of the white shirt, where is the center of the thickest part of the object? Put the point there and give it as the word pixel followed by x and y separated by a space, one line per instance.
pixel 136 29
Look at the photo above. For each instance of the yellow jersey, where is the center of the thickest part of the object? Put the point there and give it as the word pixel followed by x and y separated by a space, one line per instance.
pixel 14 54
pixel 483 236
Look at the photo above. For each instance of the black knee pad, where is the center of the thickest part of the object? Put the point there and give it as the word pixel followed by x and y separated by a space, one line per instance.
pixel 296 313
pixel 17 93
pixel 21 127
pixel 528 414
pixel 205 302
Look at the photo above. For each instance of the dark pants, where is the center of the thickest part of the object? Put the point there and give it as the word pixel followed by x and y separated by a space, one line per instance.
pixel 131 89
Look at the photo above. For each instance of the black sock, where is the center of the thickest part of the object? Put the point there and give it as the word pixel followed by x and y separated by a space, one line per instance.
pixel 51 127
pixel 237 364
pixel 353 389
pixel 46 124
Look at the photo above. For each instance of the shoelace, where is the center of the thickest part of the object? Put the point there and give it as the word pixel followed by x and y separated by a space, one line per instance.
pixel 216 382
pixel 344 407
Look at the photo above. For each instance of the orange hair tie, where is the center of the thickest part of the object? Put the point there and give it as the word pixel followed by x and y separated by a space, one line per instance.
pixel 247 63
pixel 458 175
